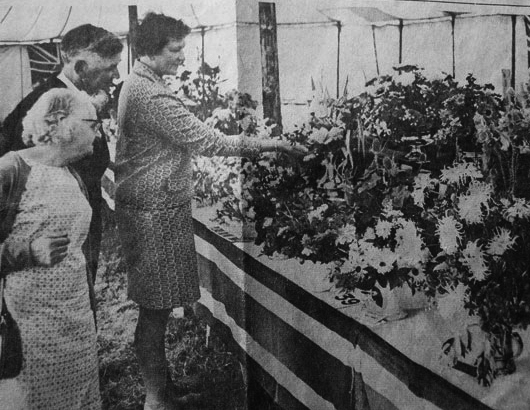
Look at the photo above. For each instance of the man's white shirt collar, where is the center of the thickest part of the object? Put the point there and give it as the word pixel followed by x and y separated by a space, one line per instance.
pixel 70 85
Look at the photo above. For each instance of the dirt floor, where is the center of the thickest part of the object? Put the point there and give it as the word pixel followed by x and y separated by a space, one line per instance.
pixel 196 366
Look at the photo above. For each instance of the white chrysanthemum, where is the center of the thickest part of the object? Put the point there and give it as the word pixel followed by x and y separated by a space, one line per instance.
pixel 346 234
pixel 470 209
pixel 369 234
pixel 222 114
pixel 419 197
pixel 501 242
pixel 265 164
pixel 473 259
pixel 457 174
pixel 383 228
pixel 519 209
pixel 388 210
pixel 484 189
pixel 453 301
pixel 320 135
pixel 356 255
pixel 351 268
pixel 409 246
pixel 251 213
pixel 317 213
pixel 449 234
pixel 399 222
pixel 423 181
pixel 381 259
pixel 306 241
pixel 267 222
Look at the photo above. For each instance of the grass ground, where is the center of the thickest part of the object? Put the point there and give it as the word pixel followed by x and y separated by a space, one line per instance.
pixel 195 365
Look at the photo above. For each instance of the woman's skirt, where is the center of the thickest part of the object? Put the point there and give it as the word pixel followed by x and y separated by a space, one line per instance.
pixel 159 252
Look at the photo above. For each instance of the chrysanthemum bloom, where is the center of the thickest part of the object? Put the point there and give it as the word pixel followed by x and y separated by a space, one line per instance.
pixel 449 234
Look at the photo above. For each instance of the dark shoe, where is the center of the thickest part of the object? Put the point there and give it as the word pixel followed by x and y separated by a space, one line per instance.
pixel 190 401
pixel 183 385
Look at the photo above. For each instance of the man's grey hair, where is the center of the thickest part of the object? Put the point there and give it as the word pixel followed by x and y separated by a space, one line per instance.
pixel 90 38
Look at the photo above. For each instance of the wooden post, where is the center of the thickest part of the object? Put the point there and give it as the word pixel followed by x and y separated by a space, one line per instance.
pixel 203 67
pixel 133 25
pixel 339 29
pixel 270 72
pixel 526 22
pixel 506 80
pixel 453 23
pixel 514 32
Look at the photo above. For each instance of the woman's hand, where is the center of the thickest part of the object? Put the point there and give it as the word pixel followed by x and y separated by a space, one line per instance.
pixel 296 150
pixel 286 147
pixel 49 250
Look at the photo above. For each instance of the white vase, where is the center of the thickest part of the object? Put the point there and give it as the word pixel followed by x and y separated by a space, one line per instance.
pixel 391 308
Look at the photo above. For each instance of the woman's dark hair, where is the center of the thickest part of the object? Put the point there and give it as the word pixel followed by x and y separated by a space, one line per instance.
pixel 156 31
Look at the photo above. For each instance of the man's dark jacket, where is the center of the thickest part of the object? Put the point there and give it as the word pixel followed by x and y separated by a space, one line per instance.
pixel 90 169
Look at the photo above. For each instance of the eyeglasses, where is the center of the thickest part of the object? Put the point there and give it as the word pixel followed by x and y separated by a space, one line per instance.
pixel 96 123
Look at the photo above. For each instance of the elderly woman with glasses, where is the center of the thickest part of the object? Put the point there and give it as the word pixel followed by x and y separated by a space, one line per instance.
pixel 47 288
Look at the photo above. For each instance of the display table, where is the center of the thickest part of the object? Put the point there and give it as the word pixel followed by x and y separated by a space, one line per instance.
pixel 308 350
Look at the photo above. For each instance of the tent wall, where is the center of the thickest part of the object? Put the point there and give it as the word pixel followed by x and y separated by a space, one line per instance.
pixel 220 49
pixel 307 41
pixel 483 47
pixel 428 45
pixel 16 77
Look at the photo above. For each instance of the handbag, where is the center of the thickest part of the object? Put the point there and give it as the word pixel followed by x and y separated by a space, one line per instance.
pixel 11 357
pixel 10 342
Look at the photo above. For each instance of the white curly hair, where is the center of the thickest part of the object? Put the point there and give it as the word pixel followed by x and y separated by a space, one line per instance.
pixel 40 126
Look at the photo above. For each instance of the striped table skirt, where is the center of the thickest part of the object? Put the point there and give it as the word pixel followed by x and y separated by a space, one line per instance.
pixel 304 352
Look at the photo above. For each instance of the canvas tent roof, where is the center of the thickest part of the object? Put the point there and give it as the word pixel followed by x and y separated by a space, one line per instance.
pixel 30 21
pixel 24 22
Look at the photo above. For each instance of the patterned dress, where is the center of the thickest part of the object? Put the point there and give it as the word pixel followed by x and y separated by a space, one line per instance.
pixel 51 304
pixel 158 137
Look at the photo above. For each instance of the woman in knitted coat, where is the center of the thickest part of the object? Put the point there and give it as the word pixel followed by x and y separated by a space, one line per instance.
pixel 158 137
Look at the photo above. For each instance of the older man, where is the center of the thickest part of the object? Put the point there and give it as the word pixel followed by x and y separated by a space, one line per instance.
pixel 91 56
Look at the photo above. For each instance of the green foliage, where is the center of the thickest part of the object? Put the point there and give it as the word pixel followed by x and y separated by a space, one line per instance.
pixel 369 198
pixel 201 91
pixel 218 179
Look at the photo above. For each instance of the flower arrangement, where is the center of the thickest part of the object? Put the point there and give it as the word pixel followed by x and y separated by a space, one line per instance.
pixel 422 182
pixel 480 246
pixel 218 179
pixel 505 143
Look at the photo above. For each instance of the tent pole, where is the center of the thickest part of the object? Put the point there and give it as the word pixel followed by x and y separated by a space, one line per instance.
pixel 339 29
pixel 514 23
pixel 270 71
pixel 375 51
pixel 133 26
pixel 202 73
pixel 526 22
pixel 400 41
pixel 453 23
